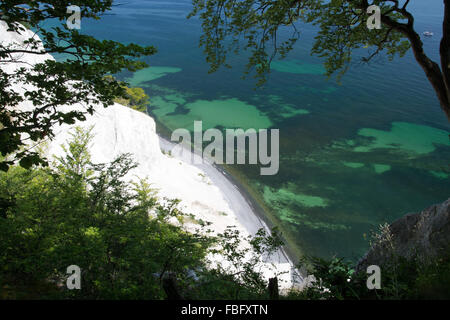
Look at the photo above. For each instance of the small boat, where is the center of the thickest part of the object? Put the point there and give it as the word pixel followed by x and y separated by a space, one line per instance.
pixel 428 34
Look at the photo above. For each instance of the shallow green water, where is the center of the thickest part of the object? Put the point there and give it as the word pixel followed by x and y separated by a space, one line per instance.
pixel 141 77
pixel 212 113
pixel 408 137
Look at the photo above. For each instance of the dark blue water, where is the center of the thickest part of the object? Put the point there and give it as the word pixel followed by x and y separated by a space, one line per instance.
pixel 353 155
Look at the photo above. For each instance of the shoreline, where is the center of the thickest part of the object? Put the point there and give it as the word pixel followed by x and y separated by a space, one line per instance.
pixel 291 250
pixel 257 209
pixel 248 212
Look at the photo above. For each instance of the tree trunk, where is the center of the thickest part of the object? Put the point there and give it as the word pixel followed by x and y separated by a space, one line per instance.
pixel 439 79
pixel 431 68
pixel 273 289
pixel 444 51
pixel 170 287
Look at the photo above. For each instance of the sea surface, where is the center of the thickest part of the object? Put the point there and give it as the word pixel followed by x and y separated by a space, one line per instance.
pixel 353 155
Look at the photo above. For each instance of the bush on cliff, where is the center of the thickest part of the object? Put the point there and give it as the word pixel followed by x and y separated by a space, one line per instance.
pixel 125 240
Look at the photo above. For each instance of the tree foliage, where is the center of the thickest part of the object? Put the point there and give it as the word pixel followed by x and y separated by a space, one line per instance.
pixel 135 98
pixel 90 216
pixel 124 238
pixel 258 26
pixel 51 84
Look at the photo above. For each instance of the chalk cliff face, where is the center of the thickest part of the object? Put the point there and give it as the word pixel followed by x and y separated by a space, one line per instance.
pixel 423 235
pixel 119 129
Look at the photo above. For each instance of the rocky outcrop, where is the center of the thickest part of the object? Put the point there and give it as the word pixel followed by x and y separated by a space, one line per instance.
pixel 423 235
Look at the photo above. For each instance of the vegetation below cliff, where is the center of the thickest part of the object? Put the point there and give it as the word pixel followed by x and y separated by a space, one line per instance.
pixel 134 97
pixel 125 239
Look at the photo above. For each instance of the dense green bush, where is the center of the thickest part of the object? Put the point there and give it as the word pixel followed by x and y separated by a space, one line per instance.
pixel 136 98
pixel 124 239
pixel 87 215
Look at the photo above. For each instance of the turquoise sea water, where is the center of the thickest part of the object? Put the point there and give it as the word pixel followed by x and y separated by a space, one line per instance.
pixel 352 155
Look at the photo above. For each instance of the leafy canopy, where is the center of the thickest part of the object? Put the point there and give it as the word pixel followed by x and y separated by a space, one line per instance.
pixel 260 26
pixel 269 28
pixel 78 79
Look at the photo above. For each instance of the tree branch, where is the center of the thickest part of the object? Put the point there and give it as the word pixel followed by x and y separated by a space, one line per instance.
pixel 431 68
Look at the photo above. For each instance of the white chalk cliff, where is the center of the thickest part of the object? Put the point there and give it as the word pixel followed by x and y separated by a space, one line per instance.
pixel 203 190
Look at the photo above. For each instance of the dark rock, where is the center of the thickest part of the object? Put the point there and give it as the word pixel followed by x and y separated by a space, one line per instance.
pixel 423 235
